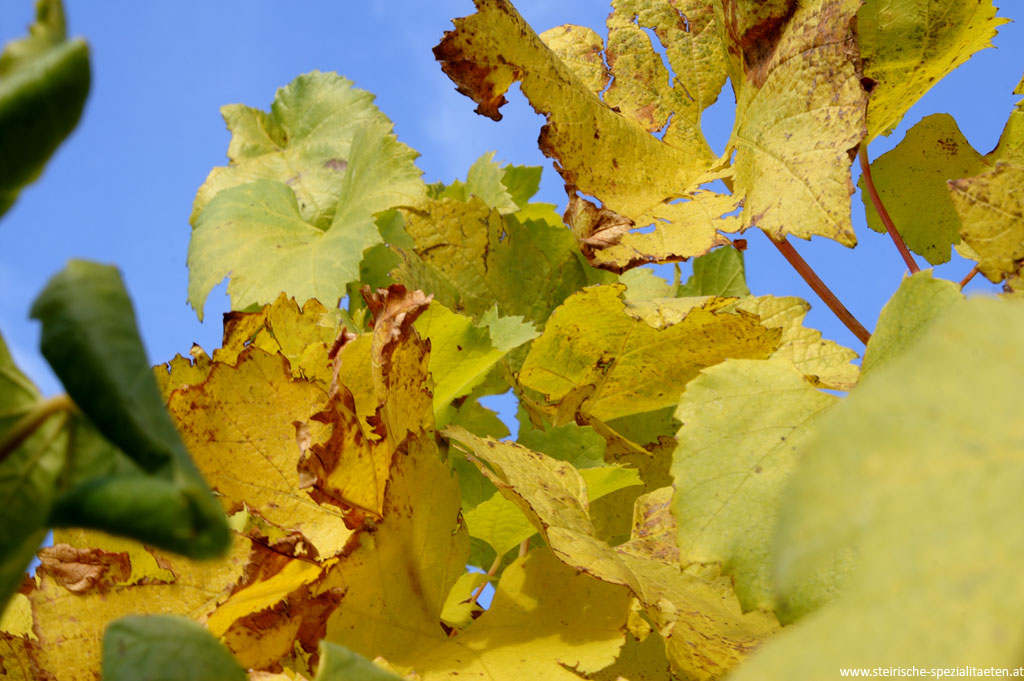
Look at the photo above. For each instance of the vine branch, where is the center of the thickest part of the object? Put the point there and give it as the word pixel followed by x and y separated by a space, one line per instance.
pixel 876 200
pixel 823 291
pixel 31 421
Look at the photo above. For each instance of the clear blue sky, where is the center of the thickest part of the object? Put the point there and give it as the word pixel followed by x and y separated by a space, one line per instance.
pixel 120 189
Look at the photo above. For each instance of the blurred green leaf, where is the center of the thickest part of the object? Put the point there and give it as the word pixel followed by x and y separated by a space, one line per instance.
pixel 165 648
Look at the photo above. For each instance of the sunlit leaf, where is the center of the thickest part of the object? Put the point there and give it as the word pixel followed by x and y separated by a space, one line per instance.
pixel 991 210
pixel 910 46
pixel 294 210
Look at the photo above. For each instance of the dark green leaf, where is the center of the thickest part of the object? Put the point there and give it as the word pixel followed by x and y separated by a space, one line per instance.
pixel 165 648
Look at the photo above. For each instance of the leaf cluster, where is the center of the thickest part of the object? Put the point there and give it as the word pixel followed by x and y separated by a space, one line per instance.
pixel 700 486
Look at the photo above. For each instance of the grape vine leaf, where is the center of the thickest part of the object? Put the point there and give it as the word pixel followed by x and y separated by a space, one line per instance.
pixel 800 113
pixel 992 215
pixel 101 578
pixel 824 363
pixel 471 258
pixel 44 82
pixel 932 152
pixel 487 180
pixel 295 209
pixel 913 467
pixel 719 273
pixel 596 358
pixel 909 47
pixel 919 301
pixel 693 611
pixel 598 151
pixel 743 422
pixel 165 648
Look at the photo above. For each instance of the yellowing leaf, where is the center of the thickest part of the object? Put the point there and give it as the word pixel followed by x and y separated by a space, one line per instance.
pixel 598 151
pixel 799 113
pixel 910 46
pixel 596 358
pixel 547 621
pixel 933 152
pixel 99 586
pixel 294 210
pixel 706 632
pixel 262 399
pixel 909 486
pixel 825 363
pixel 743 422
pixel 304 334
pixel 991 209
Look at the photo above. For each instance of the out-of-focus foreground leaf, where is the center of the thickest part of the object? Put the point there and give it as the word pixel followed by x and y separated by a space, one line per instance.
pixel 165 648
pixel 906 504
pixel 44 81
pixel 91 340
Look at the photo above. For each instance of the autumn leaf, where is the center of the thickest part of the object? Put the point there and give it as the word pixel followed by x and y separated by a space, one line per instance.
pixel 799 114
pixel 914 467
pixel 294 210
pixel 992 217
pixel 705 630
pixel 598 151
pixel 601 356
pixel 907 48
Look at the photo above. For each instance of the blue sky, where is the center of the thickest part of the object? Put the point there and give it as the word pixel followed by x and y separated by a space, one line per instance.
pixel 120 190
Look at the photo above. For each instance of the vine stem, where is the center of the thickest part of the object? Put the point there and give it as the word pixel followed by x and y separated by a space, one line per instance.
pixel 28 423
pixel 823 291
pixel 970 275
pixel 865 169
pixel 490 573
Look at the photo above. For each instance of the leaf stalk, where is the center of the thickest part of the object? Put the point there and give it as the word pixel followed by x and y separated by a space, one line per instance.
pixel 823 291
pixel 876 200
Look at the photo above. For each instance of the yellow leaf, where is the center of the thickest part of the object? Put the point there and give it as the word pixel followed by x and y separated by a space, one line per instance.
pixel 596 358
pixel 800 111
pixel 991 211
pixel 706 632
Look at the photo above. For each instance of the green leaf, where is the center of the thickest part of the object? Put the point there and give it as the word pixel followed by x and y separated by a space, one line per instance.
pixel 719 273
pixel 579 445
pixel 463 353
pixel 165 648
pixel 743 422
pixel 338 663
pixel 911 181
pixel 906 501
pixel 44 81
pixel 87 321
pixel 991 210
pixel 471 258
pixel 295 209
pixel 908 47
pixel 918 302
pixel 521 183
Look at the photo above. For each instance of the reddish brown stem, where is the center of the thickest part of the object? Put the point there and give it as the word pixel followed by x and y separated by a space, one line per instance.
pixel 823 291
pixel 865 169
pixel 970 275
pixel 490 573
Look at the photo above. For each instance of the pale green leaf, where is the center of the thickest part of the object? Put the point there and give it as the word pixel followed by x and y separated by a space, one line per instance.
pixel 743 422
pixel 906 504
pixel 294 210
pixel 918 302
pixel 165 648
pixel 579 445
